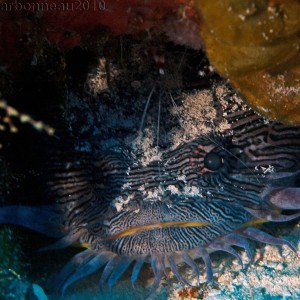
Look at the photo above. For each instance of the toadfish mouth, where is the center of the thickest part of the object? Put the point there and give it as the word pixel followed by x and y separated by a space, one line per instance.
pixel 134 230
pixel 165 228
pixel 167 244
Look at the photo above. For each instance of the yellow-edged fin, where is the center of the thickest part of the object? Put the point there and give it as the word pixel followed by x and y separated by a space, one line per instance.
pixel 134 230
pixel 258 221
pixel 81 245
pixel 85 245
pixel 254 222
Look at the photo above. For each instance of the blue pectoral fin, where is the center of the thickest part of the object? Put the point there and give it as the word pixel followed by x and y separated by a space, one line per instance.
pixel 43 219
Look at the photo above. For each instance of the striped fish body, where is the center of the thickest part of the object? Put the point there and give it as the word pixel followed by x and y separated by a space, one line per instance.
pixel 201 196
pixel 184 185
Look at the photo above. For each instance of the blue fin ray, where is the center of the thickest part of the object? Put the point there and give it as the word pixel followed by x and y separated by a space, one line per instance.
pixel 119 270
pixel 236 240
pixel 201 251
pixel 266 238
pixel 136 270
pixel 108 269
pixel 85 270
pixel 189 261
pixel 76 261
pixel 222 246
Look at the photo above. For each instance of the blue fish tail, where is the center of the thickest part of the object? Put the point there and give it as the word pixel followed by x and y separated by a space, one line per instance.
pixel 43 219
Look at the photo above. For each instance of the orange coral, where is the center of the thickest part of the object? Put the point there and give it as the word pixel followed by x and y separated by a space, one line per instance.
pixel 255 44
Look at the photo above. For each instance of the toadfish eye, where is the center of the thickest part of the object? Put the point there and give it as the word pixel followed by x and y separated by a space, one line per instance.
pixel 213 161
